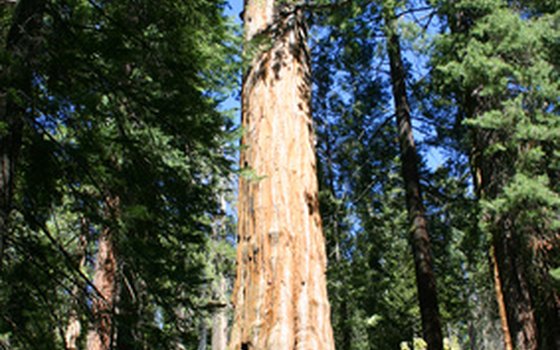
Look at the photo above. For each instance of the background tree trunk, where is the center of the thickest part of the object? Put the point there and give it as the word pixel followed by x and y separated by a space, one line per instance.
pixel 518 301
pixel 280 294
pixel 419 237
pixel 74 327
pixel 219 318
pixel 100 337
pixel 515 305
pixel 508 345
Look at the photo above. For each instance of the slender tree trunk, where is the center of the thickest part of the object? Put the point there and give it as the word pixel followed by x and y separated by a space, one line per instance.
pixel 220 327
pixel 181 317
pixel 508 344
pixel 280 294
pixel 203 336
pixel 419 237
pixel 333 249
pixel 100 337
pixel 74 327
pixel 21 47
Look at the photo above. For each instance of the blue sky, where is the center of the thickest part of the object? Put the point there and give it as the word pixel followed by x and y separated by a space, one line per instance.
pixel 234 8
pixel 434 156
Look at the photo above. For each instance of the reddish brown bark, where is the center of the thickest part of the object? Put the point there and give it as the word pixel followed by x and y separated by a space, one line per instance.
pixel 280 295
pixel 515 285
pixel 74 326
pixel 511 283
pixel 508 344
pixel 510 277
pixel 419 237
pixel 100 336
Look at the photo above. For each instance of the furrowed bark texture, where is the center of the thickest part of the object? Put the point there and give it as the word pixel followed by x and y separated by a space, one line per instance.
pixel 419 237
pixel 280 295
pixel 100 336
pixel 515 286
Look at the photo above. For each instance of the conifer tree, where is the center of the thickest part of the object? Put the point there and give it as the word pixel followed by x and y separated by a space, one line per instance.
pixel 123 105
pixel 280 295
pixel 420 240
pixel 505 102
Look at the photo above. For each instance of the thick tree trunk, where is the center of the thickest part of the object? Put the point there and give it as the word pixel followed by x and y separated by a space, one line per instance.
pixel 280 295
pixel 419 237
pixel 518 301
pixel 460 23
pixel 100 336
pixel 21 47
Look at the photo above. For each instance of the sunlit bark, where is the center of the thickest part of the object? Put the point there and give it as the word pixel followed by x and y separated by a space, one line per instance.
pixel 280 295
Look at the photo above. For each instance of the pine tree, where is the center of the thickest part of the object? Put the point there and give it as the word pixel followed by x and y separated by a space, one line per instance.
pixel 420 240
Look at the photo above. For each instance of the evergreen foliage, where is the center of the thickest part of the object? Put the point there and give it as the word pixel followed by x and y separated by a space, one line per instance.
pixel 124 107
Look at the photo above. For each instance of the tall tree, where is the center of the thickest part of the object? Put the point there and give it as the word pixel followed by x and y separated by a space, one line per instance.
pixel 488 63
pixel 419 236
pixel 280 295
pixel 131 83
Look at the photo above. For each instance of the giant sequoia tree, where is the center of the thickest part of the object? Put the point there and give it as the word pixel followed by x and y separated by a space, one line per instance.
pixel 280 294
